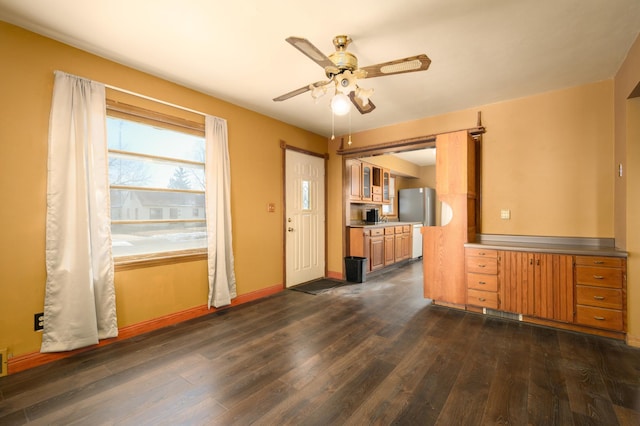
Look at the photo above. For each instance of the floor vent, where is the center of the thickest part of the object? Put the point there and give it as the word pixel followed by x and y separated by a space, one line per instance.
pixel 502 314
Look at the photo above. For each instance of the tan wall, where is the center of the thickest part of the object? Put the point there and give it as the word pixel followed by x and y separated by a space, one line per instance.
pixel 548 158
pixel 26 83
pixel 627 202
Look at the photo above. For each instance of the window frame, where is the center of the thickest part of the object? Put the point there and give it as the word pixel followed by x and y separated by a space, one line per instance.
pixel 125 111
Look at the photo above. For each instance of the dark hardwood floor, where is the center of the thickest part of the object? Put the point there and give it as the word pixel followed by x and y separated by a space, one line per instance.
pixel 375 353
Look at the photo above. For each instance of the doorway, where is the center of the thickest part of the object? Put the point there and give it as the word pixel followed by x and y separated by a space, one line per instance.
pixel 304 217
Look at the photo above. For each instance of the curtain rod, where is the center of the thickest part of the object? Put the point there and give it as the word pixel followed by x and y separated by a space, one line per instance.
pixel 149 98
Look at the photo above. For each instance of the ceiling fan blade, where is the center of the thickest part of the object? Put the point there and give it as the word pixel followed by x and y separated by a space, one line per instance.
pixel 301 90
pixel 399 66
pixel 364 109
pixel 305 46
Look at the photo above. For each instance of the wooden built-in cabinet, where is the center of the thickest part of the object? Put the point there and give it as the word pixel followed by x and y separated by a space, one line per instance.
pixel 582 293
pixel 601 292
pixel 482 278
pixel 381 245
pixel 368 183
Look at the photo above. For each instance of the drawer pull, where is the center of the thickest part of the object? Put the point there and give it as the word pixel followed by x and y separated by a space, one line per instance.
pixel 481 282
pixel 481 266
pixel 481 253
pixel 482 299
pixel 598 277
pixel 598 297
pixel 598 262
pixel 598 318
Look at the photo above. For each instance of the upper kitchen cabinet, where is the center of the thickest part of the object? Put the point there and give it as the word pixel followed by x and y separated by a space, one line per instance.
pixel 368 183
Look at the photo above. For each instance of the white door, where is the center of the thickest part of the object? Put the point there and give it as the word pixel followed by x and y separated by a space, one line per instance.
pixel 304 220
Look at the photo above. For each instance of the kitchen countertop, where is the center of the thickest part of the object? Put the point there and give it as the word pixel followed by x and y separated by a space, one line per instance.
pixel 381 224
pixel 559 245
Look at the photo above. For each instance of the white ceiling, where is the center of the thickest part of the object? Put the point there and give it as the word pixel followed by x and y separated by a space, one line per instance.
pixel 482 51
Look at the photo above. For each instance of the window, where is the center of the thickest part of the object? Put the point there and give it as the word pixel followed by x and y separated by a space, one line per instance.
pixel 157 172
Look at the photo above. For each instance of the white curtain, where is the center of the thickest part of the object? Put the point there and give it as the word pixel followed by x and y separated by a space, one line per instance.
pixel 222 279
pixel 79 306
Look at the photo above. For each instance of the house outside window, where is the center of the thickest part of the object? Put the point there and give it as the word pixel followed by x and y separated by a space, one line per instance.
pixel 157 172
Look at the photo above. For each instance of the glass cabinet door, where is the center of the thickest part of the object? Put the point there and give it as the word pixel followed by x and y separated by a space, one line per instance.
pixel 366 182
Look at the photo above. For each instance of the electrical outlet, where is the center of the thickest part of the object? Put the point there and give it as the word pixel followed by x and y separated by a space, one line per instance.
pixel 3 362
pixel 38 321
pixel 505 214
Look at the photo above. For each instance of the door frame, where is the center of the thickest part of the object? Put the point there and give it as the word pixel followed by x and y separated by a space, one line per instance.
pixel 325 157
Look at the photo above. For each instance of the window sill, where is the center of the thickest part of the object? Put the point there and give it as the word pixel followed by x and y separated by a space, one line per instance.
pixel 126 263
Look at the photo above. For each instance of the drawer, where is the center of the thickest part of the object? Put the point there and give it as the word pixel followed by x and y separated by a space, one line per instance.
pixel 485 299
pixel 377 197
pixel 389 231
pixel 481 252
pixel 377 231
pixel 599 296
pixel 612 262
pixel 600 277
pixel 482 265
pixel 406 229
pixel 482 282
pixel 599 317
pixel 398 229
pixel 376 190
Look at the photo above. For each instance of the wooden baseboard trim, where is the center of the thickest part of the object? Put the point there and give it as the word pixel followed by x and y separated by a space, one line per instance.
pixel 633 341
pixel 334 275
pixel 35 359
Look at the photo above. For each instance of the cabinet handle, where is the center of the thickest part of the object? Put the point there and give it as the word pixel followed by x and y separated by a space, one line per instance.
pixel 481 266
pixel 598 262
pixel 530 261
pixel 481 253
pixel 598 297
pixel 599 318
pixel 482 299
pixel 481 282
pixel 598 277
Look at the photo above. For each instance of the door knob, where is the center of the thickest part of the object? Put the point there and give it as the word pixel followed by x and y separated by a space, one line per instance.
pixel 290 229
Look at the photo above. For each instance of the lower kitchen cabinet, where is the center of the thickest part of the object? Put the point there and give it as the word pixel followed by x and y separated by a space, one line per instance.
pixel 583 293
pixel 600 292
pixel 381 245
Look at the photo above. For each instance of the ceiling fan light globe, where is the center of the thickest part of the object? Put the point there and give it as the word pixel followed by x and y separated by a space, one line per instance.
pixel 340 104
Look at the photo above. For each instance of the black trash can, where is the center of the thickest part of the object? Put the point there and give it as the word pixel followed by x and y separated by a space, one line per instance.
pixel 355 268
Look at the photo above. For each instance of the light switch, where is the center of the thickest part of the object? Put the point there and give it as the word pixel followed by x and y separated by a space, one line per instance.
pixel 505 214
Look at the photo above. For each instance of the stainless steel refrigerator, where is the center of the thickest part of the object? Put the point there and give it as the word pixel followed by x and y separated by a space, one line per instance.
pixel 417 205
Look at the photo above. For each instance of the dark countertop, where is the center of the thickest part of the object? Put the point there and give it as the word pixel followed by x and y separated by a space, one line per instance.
pixel 559 245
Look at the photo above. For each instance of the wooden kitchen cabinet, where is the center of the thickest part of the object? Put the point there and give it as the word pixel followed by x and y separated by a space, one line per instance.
pixel 368 183
pixel 516 282
pixel 377 249
pixel 354 170
pixel 403 242
pixel 553 286
pixel 482 278
pixel 389 246
pixel 367 176
pixel 537 284
pixel 381 245
pixel 601 292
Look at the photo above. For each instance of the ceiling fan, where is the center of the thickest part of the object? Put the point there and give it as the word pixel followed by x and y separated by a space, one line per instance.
pixel 341 69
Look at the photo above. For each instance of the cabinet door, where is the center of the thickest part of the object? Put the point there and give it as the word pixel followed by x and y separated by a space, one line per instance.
pixel 354 168
pixel 366 182
pixel 398 247
pixel 376 250
pixel 516 282
pixel 407 244
pixel 386 179
pixel 553 286
pixel 389 249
